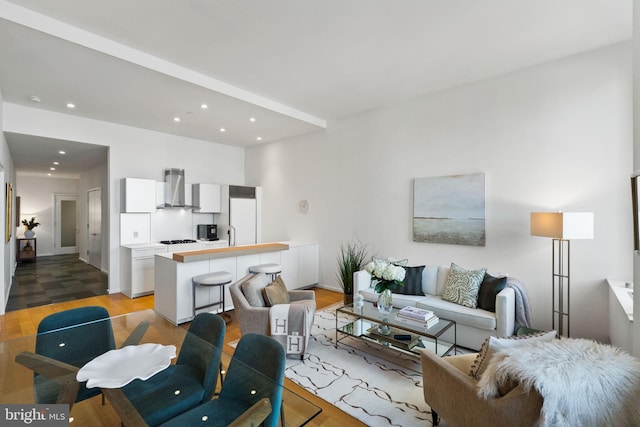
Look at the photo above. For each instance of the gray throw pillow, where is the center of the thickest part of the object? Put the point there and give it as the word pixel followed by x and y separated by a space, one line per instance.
pixel 252 290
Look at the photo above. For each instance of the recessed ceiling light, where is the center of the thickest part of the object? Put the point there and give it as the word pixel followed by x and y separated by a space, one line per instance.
pixel 176 119
pixel 252 119
pixel 71 105
pixel 48 174
pixel 259 138
pixel 223 130
pixel 62 152
pixel 204 106
pixel 52 169
pixel 34 98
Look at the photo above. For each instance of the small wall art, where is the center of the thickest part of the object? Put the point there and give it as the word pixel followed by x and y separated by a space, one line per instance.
pixel 449 209
pixel 8 209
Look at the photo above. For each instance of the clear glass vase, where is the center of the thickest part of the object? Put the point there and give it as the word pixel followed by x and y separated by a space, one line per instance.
pixel 385 301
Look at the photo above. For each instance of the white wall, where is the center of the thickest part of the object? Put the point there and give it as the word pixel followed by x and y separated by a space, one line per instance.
pixel 37 199
pixel 636 164
pixel 7 250
pixel 555 136
pixel 133 152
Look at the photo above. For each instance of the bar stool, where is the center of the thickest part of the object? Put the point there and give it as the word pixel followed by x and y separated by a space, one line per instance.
pixel 219 278
pixel 272 269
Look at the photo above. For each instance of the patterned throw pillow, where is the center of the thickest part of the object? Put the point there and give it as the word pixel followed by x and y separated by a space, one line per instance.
pixel 492 345
pixel 462 286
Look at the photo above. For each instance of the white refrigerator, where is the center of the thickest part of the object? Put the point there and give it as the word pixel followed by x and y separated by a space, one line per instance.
pixel 242 216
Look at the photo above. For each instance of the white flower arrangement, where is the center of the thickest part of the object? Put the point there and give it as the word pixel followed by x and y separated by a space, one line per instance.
pixel 385 275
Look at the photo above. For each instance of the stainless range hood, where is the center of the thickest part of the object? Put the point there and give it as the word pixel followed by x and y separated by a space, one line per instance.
pixel 174 189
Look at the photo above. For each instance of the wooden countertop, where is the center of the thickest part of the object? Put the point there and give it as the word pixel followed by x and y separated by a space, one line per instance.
pixel 229 251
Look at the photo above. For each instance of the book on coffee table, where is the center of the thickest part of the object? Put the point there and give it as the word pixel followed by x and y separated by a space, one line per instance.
pixel 419 323
pixel 416 313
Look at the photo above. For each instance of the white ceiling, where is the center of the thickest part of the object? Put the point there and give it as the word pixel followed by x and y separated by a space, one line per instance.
pixel 292 65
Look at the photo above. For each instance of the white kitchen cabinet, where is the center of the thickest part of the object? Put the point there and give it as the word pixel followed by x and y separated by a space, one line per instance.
pixel 139 195
pixel 137 269
pixel 206 197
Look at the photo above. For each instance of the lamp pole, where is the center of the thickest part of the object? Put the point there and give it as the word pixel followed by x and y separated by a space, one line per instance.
pixel 560 280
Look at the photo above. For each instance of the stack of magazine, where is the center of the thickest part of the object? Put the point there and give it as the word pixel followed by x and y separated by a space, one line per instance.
pixel 417 317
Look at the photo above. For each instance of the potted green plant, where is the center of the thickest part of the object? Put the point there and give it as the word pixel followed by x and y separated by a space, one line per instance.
pixel 29 226
pixel 351 258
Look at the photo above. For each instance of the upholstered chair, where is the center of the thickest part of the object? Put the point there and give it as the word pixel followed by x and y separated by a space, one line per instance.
pixel 249 381
pixel 189 382
pixel 65 342
pixel 257 301
pixel 452 394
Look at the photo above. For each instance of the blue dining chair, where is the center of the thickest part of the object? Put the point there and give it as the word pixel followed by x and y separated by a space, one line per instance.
pixel 189 382
pixel 254 380
pixel 73 337
pixel 65 342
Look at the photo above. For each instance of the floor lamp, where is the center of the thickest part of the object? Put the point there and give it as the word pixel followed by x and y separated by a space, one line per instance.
pixel 562 227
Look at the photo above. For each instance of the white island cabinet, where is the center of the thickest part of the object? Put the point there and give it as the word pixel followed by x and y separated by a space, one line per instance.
pixel 173 273
pixel 300 265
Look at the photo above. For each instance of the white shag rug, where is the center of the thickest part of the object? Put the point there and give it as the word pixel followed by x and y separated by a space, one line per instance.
pixel 583 383
pixel 360 378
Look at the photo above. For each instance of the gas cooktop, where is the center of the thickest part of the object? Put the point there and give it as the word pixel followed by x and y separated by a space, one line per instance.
pixel 177 242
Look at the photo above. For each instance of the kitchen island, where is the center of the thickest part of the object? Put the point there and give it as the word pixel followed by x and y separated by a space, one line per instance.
pixel 174 271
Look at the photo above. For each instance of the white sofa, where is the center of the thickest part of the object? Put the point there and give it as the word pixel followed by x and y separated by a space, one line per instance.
pixel 473 325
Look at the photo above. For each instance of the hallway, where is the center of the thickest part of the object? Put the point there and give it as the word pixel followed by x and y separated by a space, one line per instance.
pixel 54 279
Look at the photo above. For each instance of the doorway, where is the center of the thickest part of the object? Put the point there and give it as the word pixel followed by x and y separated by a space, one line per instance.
pixel 65 224
pixel 94 227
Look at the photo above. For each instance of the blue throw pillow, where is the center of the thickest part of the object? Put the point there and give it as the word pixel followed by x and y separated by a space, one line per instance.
pixel 412 281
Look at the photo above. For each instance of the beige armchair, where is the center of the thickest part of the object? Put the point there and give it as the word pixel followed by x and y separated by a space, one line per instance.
pixel 254 314
pixel 451 393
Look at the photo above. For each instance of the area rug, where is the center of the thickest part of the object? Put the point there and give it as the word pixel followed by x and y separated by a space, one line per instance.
pixel 376 385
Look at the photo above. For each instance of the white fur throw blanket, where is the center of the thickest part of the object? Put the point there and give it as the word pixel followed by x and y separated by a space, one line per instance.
pixel 583 383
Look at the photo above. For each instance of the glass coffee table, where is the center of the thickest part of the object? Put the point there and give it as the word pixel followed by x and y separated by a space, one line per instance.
pixel 409 337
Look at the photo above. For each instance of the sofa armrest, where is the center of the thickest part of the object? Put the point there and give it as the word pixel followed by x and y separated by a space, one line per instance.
pixel 361 280
pixel 505 312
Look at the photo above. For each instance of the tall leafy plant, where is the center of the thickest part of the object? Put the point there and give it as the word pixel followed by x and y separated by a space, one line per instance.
pixel 351 258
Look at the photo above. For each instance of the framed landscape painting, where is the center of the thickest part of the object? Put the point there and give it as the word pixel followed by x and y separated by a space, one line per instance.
pixel 449 209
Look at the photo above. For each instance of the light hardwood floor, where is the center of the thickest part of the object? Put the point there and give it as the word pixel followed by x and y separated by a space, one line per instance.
pixel 19 323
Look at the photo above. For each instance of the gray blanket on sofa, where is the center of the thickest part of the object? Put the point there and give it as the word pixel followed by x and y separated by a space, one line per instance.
pixel 523 310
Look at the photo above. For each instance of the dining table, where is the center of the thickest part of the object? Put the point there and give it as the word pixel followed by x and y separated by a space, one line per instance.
pixel 157 343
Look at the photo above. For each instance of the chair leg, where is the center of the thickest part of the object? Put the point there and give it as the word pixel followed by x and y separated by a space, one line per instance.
pixel 435 417
pixel 282 413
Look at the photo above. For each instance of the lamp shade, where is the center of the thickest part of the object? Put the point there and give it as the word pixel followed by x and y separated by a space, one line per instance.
pixel 562 225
